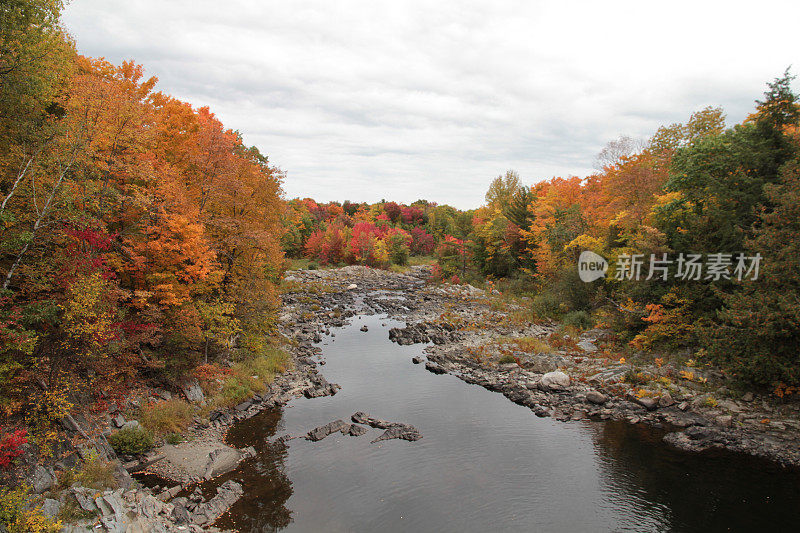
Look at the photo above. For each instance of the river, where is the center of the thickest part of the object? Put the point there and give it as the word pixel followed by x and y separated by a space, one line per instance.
pixel 483 464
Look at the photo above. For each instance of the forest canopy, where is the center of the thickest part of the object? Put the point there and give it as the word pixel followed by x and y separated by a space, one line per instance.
pixel 138 232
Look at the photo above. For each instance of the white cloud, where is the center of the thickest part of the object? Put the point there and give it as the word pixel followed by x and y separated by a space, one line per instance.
pixel 365 100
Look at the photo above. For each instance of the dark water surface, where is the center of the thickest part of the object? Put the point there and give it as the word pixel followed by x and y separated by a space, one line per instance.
pixel 484 463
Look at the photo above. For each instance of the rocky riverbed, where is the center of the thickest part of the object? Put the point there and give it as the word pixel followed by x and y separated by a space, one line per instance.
pixel 486 340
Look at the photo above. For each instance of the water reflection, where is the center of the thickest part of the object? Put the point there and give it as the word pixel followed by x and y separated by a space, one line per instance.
pixel 267 487
pixel 712 491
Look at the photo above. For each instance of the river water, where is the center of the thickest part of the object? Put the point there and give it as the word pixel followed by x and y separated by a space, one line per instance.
pixel 483 464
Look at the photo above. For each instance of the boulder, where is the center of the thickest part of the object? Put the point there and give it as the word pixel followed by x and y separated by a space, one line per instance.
pixel 725 421
pixel 361 417
pixel 321 432
pixel 164 394
pixel 648 403
pixel 666 400
pixel 193 392
pixel 554 381
pixel 221 461
pixel 85 498
pixel 244 406
pixel 42 479
pixel 118 421
pixel 227 494
pixel 130 424
pixel 354 430
pixel 587 346
pixel 416 359
pixel 597 398
pixel 51 507
pixel 179 512
pixel 430 366
pixel 352 287
pixel 168 494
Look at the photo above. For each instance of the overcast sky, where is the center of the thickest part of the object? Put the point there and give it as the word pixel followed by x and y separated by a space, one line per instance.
pixel 364 100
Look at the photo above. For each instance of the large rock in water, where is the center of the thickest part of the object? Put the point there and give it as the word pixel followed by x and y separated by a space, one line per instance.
pixel 321 432
pixel 221 461
pixel 207 512
pixel 394 430
pixel 554 381
pixel 354 430
pixel 430 366
pixel 404 432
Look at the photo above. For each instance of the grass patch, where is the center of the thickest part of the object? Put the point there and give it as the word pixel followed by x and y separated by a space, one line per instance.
pixel 507 358
pixel 313 287
pixel 71 512
pixel 526 344
pixel 265 366
pixel 302 263
pixel 170 416
pixel 250 376
pixel 235 389
pixel 421 260
pixel 96 473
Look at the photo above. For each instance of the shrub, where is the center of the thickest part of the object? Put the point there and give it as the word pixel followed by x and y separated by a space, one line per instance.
pixel 210 376
pixel 131 441
pixel 171 416
pixel 507 358
pixel 18 518
pixel 577 319
pixel 11 447
pixel 637 378
pixel 545 305
pixel 173 438
pixel 397 244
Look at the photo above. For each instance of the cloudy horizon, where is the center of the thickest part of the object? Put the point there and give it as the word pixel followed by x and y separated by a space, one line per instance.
pixel 372 100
